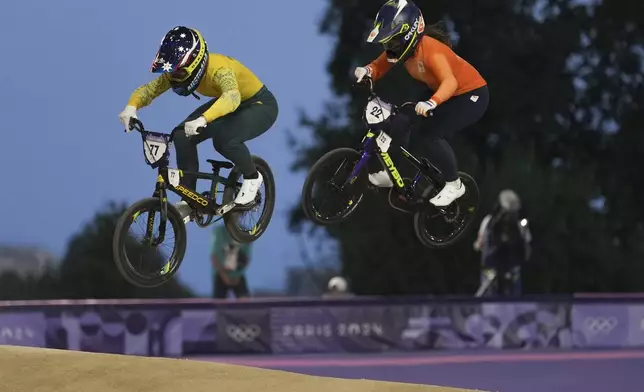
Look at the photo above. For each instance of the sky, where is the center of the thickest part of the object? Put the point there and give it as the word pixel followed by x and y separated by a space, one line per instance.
pixel 67 70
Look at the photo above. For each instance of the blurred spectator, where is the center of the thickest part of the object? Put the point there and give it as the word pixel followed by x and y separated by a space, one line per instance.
pixel 337 287
pixel 230 260
pixel 504 242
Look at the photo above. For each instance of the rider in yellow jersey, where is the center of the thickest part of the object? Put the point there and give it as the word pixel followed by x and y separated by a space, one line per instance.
pixel 242 107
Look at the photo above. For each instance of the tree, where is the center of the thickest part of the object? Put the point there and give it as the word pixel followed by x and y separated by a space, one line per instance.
pixel 540 137
pixel 13 287
pixel 88 270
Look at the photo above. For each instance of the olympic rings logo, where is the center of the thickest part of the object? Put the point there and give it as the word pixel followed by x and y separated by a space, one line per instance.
pixel 600 324
pixel 243 332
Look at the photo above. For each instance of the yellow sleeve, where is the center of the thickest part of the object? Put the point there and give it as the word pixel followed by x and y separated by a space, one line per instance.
pixel 230 97
pixel 144 95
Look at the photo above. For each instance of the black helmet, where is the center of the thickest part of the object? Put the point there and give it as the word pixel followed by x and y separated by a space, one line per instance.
pixel 398 27
pixel 183 54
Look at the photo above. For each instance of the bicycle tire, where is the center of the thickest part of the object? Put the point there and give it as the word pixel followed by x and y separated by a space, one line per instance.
pixel 126 269
pixel 469 201
pixel 230 218
pixel 313 175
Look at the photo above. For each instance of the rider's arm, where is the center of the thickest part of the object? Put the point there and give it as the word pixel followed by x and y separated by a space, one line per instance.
pixel 379 67
pixel 478 244
pixel 144 95
pixel 439 66
pixel 230 97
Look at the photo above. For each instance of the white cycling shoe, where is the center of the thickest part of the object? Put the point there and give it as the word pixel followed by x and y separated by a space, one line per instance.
pixel 452 191
pixel 381 179
pixel 249 190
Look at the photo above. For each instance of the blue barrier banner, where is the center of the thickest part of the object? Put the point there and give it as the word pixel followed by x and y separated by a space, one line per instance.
pixel 488 325
pixel 336 328
pixel 636 326
pixel 243 331
pixel 198 331
pixel 608 325
pixel 204 327
pixel 22 329
pixel 420 327
pixel 135 331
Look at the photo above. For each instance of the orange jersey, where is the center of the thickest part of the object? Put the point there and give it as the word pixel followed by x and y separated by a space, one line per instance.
pixel 433 63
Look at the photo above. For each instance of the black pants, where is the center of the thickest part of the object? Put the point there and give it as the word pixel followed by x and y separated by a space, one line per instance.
pixel 252 118
pixel 453 115
pixel 220 288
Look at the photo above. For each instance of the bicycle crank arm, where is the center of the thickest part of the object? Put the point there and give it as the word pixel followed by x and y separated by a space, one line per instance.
pixel 225 208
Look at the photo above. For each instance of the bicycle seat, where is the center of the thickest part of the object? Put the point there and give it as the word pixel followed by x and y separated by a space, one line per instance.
pixel 220 164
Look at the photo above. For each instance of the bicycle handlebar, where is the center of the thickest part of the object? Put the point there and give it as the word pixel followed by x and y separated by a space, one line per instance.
pixel 137 125
pixel 363 83
pixel 372 93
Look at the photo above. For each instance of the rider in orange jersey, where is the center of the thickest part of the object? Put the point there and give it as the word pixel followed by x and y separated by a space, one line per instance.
pixel 460 94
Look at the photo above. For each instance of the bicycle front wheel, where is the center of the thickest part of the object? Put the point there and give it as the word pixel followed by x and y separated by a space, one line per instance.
pixel 148 251
pixel 334 198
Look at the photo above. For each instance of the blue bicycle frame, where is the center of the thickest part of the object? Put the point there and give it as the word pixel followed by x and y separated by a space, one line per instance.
pixel 369 148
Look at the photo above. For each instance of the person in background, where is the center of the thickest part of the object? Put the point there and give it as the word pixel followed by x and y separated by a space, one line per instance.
pixel 230 260
pixel 337 287
pixel 504 240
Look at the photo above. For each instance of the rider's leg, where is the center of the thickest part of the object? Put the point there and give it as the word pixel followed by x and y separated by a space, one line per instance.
pixel 187 156
pixel 254 117
pixel 441 154
pixel 455 114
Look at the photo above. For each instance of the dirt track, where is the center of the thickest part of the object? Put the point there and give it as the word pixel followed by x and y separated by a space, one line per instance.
pixel 24 369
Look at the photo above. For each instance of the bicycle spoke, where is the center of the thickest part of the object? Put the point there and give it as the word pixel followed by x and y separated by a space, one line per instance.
pixel 147 254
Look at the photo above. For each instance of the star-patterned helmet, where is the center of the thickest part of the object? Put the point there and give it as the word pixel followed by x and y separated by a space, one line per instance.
pixel 398 27
pixel 183 54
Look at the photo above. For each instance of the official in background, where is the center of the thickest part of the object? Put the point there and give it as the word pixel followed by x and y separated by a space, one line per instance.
pixel 230 260
pixel 504 240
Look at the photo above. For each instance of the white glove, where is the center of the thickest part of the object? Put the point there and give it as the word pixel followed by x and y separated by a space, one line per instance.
pixel 191 127
pixel 361 72
pixel 125 116
pixel 424 107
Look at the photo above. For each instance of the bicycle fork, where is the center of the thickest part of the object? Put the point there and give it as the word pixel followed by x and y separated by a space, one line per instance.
pixel 159 193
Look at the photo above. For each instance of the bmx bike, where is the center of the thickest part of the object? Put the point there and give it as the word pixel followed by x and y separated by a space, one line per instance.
pixel 348 174
pixel 156 150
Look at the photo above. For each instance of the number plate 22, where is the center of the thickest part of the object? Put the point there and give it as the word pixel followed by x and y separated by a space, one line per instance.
pixel 377 111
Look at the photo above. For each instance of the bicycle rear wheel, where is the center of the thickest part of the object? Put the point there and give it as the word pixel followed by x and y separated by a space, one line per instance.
pixel 239 222
pixel 132 255
pixel 456 219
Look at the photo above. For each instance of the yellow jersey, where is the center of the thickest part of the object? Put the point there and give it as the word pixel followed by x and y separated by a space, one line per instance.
pixel 225 78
